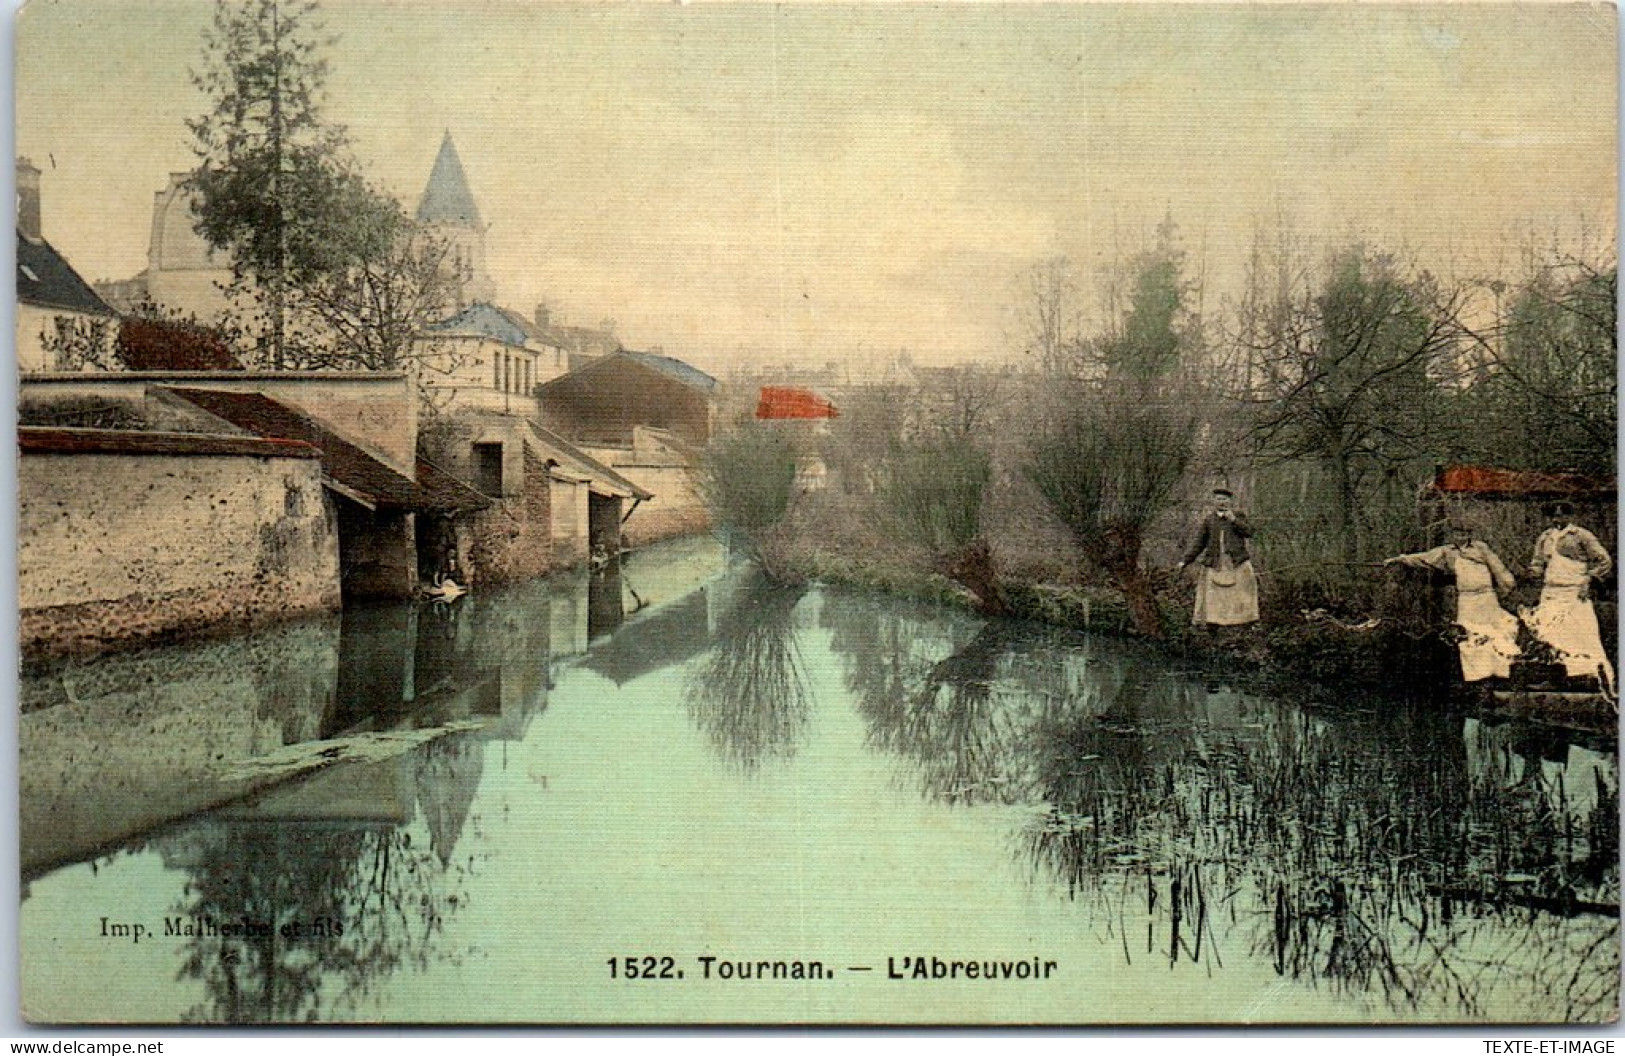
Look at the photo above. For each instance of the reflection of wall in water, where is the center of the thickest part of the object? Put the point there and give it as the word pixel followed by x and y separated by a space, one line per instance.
pixel 113 747
pixel 653 639
pixel 606 607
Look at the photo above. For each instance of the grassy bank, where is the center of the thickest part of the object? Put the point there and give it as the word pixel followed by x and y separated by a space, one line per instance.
pixel 1305 648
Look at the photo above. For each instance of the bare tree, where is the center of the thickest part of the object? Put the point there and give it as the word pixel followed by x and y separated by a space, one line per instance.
pixel 1343 370
pixel 371 315
pixel 1548 394
pixel 1054 312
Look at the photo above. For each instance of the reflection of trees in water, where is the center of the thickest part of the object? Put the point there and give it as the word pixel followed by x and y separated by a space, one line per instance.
pixel 1362 854
pixel 1369 853
pixel 345 903
pixel 748 692
pixel 946 692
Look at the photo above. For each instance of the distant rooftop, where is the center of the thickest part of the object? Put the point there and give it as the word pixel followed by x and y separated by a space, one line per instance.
pixel 44 278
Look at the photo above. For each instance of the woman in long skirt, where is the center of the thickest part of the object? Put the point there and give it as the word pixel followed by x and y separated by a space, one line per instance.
pixel 1489 633
pixel 1568 558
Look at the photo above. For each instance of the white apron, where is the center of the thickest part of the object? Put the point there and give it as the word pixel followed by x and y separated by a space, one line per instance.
pixel 1489 640
pixel 1226 596
pixel 1565 620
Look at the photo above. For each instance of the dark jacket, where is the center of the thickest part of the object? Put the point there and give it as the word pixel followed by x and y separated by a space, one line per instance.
pixel 1215 536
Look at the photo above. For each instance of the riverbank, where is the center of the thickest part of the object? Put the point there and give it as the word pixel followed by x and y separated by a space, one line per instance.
pixel 1298 645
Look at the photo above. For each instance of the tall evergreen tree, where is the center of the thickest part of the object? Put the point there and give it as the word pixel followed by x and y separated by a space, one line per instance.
pixel 275 186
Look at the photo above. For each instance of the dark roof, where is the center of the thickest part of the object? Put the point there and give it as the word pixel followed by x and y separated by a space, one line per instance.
pixel 675 369
pixel 523 325
pixel 486 320
pixel 447 198
pixel 44 278
pixel 1492 482
pixel 38 440
pixel 448 493
pixel 346 465
pixel 591 465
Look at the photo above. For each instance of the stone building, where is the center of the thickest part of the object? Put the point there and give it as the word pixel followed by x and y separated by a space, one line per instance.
pixel 448 208
pixel 648 417
pixel 362 429
pixel 185 277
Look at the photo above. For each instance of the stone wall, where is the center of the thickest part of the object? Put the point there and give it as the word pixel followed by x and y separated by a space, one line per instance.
pixel 513 540
pixel 120 547
pixel 33 323
pixel 653 522
pixel 676 509
pixel 377 412
pixel 111 749
pixel 570 518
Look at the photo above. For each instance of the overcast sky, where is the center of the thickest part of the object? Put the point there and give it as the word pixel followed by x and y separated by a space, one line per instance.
pixel 818 181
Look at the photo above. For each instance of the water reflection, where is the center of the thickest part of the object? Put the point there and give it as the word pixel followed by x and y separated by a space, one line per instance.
pixel 296 905
pixel 749 692
pixel 406 798
pixel 1405 854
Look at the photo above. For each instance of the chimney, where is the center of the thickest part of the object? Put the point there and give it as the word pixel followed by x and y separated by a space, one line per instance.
pixel 28 207
pixel 542 316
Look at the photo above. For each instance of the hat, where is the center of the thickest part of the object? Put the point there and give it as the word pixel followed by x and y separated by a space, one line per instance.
pixel 1224 493
pixel 1560 509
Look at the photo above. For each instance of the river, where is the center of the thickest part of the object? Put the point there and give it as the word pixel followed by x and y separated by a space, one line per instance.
pixel 676 793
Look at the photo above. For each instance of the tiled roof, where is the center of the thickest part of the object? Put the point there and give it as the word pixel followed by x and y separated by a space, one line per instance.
pixel 447 198
pixel 1489 480
pixel 485 320
pixel 41 441
pixel 344 463
pixel 586 464
pixel 671 368
pixel 782 403
pixel 44 278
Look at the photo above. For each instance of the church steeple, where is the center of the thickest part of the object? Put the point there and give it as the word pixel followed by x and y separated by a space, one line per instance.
pixel 448 210
pixel 447 199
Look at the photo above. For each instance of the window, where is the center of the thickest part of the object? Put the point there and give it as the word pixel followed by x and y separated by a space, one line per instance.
pixel 488 469
pixel 496 371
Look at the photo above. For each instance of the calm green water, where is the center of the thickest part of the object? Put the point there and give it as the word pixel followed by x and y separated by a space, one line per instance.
pixel 476 814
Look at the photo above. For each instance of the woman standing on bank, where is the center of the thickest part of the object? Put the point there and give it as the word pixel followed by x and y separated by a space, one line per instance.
pixel 1226 588
pixel 1489 633
pixel 1567 558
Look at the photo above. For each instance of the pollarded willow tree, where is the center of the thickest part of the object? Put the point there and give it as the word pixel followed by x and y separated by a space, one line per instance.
pixel 1117 426
pixel 275 186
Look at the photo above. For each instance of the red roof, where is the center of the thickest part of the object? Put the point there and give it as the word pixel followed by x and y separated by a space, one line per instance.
pixel 1488 480
pixel 779 403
